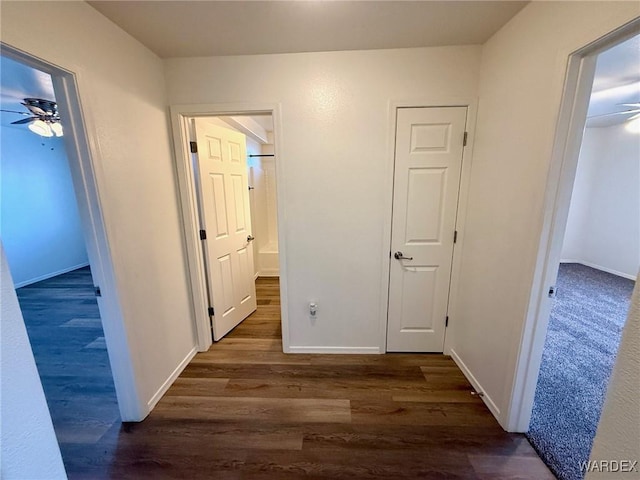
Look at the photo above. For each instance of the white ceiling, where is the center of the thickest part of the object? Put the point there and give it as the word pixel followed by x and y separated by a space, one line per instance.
pixel 209 28
pixel 265 121
pixel 617 81
pixel 18 81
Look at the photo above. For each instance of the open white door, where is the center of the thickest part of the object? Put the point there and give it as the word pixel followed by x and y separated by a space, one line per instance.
pixel 428 164
pixel 223 189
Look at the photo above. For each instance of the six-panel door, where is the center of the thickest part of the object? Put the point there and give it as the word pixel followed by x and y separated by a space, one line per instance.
pixel 224 200
pixel 428 164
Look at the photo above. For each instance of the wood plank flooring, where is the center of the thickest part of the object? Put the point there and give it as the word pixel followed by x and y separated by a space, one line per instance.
pixel 65 331
pixel 245 410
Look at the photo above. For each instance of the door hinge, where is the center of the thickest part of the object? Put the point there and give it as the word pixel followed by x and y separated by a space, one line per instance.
pixel 446 321
pixel 210 311
pixel 464 139
pixel 96 290
pixel 455 236
pixel 193 146
pixel 203 234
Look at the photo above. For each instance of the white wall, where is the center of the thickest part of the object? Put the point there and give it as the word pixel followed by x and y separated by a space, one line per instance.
pixel 521 84
pixel 254 148
pixel 603 227
pixel 39 221
pixel 590 151
pixel 336 160
pixel 263 171
pixel 619 427
pixel 28 446
pixel 121 86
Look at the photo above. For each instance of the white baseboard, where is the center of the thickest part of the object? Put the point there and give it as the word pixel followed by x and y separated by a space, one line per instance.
pixel 603 269
pixel 336 350
pixel 50 275
pixel 476 384
pixel 269 272
pixel 172 378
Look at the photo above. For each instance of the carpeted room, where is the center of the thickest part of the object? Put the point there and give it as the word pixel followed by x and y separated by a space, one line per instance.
pixel 597 273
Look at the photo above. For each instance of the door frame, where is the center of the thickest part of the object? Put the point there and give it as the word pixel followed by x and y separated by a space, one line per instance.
pixel 180 117
pixel 562 171
pixel 82 150
pixel 463 194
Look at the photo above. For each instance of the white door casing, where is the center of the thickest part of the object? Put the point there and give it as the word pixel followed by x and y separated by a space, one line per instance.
pixel 428 165
pixel 226 217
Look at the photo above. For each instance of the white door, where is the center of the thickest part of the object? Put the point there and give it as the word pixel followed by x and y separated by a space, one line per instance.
pixel 428 164
pixel 226 218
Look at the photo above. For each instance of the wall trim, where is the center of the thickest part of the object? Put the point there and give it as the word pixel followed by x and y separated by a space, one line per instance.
pixel 268 272
pixel 603 269
pixel 477 386
pixel 169 381
pixel 336 350
pixel 50 275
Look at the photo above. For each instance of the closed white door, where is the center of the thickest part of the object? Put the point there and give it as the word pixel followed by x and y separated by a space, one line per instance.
pixel 428 164
pixel 226 218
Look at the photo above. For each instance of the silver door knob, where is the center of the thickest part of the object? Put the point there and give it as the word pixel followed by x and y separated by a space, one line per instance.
pixel 250 238
pixel 400 256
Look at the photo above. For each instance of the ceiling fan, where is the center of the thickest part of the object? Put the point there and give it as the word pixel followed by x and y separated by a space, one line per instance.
pixel 634 111
pixel 44 118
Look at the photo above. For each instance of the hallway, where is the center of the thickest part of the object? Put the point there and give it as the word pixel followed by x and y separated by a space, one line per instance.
pixel 246 410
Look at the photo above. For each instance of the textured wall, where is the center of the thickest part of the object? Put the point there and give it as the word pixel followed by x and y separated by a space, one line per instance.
pixel 122 90
pixel 335 152
pixel 521 84
pixel 618 436
pixel 40 225
pixel 28 443
pixel 603 227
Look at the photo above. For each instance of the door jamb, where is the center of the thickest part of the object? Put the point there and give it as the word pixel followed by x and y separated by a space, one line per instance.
pixel 471 104
pixel 82 151
pixel 564 162
pixel 180 116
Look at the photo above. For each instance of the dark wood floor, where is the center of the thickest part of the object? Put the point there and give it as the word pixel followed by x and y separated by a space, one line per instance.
pixel 246 410
pixel 64 328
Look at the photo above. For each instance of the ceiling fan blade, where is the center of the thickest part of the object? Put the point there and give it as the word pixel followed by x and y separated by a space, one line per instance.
pixel 35 110
pixel 626 112
pixel 13 111
pixel 24 120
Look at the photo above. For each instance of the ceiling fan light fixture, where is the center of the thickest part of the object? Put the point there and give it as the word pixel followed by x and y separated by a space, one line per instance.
pixel 56 128
pixel 41 128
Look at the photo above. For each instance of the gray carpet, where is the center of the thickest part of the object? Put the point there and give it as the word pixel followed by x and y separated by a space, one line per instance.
pixel 579 353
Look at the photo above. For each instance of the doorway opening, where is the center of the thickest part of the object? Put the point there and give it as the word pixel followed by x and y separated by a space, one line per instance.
pixel 76 130
pixel 45 241
pixel 597 271
pixel 572 119
pixel 228 183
